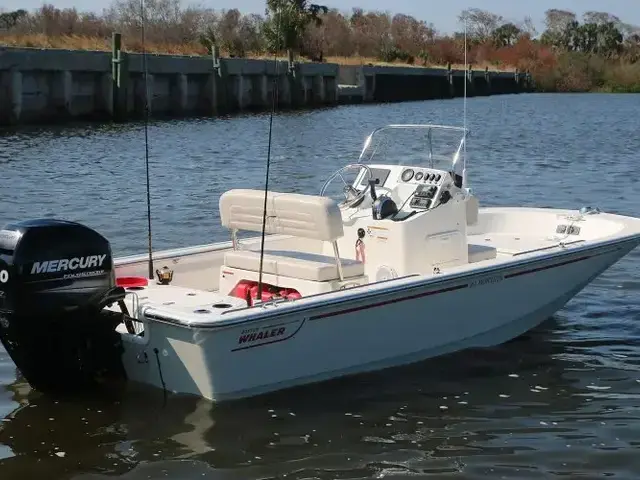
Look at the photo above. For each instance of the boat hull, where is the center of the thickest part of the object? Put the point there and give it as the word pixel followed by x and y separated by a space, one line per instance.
pixel 361 335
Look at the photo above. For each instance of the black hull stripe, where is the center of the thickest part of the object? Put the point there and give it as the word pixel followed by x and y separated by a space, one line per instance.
pixel 548 267
pixel 389 302
pixel 448 289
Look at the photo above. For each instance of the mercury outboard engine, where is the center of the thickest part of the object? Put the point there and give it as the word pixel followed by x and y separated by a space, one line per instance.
pixel 56 278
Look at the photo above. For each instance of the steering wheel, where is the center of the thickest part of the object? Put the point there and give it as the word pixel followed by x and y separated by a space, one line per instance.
pixel 353 196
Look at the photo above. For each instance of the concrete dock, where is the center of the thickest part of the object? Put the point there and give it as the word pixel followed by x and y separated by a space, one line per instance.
pixel 398 84
pixel 52 86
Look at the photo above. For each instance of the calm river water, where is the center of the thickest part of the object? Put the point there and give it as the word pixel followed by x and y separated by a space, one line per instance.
pixel 562 401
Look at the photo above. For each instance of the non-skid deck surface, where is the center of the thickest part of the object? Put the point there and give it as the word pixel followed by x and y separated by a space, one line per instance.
pixel 198 304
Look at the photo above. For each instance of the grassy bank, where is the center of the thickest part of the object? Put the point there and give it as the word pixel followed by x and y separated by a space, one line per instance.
pixel 103 44
pixel 579 72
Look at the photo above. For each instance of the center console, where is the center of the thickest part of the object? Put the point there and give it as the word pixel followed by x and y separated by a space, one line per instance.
pixel 428 182
pixel 413 189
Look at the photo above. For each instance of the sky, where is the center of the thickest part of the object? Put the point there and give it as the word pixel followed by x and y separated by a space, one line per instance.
pixel 443 14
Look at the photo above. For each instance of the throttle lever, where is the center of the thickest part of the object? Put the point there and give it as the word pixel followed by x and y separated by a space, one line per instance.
pixel 372 184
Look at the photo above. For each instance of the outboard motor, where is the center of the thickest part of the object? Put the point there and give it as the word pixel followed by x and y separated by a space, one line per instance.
pixel 56 278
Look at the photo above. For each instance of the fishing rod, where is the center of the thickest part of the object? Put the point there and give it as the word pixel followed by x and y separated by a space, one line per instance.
pixel 464 110
pixel 146 162
pixel 274 96
pixel 146 135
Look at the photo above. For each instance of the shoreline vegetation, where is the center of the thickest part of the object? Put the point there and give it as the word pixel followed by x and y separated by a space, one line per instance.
pixel 598 52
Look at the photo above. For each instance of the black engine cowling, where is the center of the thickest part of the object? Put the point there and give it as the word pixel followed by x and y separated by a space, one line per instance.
pixel 56 278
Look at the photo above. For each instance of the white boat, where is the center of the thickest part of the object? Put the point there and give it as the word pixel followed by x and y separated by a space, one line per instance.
pixel 406 267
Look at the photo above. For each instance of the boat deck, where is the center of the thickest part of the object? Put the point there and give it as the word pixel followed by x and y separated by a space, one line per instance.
pixel 177 302
pixel 199 305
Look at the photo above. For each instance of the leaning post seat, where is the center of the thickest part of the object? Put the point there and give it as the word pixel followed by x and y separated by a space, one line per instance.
pixel 472 206
pixel 298 215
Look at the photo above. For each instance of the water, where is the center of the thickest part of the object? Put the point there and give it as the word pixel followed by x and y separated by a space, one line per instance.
pixel 561 401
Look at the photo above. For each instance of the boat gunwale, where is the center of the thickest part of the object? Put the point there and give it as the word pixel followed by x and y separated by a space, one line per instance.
pixel 371 291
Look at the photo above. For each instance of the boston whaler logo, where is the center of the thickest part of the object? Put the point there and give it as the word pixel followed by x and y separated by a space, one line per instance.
pixel 257 336
pixel 71 265
pixel 486 281
pixel 252 335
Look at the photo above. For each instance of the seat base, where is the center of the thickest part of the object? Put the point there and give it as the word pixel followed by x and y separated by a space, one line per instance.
pixel 231 276
pixel 301 265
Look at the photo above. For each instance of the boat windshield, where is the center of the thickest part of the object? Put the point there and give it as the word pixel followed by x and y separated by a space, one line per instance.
pixel 432 146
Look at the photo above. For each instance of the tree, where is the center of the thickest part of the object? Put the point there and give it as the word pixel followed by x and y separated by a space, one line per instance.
pixel 600 18
pixel 357 15
pixel 287 21
pixel 527 27
pixel 599 36
pixel 238 34
pixel 336 34
pixel 10 19
pixel 609 39
pixel 332 37
pixel 227 34
pixel 557 21
pixel 585 38
pixel 165 20
pixel 562 30
pixel 371 34
pixel 480 23
pixel 409 35
pixel 632 45
pixel 506 35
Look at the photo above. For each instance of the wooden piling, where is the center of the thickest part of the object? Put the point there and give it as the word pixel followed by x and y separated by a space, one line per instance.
pixel 452 89
pixel 471 86
pixel 119 79
pixel 215 92
pixel 296 85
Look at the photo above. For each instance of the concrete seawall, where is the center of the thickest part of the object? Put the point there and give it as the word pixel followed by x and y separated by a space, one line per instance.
pixel 45 86
pixel 397 84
